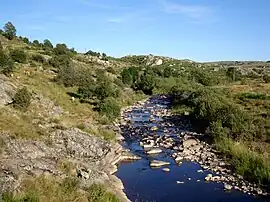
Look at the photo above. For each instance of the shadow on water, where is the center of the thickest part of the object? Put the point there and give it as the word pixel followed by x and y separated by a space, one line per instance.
pixel 143 183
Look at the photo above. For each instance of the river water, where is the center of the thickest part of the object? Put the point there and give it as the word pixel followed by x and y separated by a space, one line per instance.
pixel 143 183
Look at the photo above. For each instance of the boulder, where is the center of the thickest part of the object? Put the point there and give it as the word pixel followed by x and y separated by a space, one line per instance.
pixel 166 169
pixel 154 151
pixel 190 142
pixel 156 163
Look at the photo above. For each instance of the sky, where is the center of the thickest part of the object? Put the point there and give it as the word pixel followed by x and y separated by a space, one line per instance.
pixel 200 30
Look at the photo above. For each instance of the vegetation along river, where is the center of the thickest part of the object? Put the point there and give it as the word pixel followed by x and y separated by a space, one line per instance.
pixel 176 164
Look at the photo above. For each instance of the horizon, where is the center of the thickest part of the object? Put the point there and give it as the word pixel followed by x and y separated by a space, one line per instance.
pixel 202 31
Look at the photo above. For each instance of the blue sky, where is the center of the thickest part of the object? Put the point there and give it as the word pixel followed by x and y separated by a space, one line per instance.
pixel 201 30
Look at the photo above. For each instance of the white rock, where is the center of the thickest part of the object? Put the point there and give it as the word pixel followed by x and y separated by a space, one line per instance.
pixel 227 186
pixel 179 182
pixel 166 169
pixel 156 163
pixel 154 151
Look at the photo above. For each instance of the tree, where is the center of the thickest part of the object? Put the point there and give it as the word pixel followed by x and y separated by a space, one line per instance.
pixel 146 84
pixel 47 44
pixel 36 43
pixel 129 76
pixel 9 30
pixel 26 40
pixel 22 99
pixel 61 49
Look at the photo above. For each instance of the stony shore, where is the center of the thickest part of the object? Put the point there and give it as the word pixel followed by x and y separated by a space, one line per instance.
pixel 184 146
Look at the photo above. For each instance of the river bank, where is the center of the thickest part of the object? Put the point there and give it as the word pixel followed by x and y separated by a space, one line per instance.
pixel 168 143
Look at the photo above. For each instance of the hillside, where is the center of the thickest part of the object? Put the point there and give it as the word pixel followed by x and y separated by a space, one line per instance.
pixel 59 112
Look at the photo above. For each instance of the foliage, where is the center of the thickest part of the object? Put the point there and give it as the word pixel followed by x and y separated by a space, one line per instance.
pixel 61 49
pixel 9 31
pixel 22 99
pixel 36 43
pixel 3 57
pixel 93 53
pixel 18 55
pixel 67 76
pixel 253 95
pixel 168 71
pixel 97 193
pixel 130 75
pixel 8 68
pixel 38 58
pixel 266 78
pixel 233 74
pixel 110 108
pixel 203 77
pixel 47 44
pixel 58 61
pixel 146 83
pixel 26 40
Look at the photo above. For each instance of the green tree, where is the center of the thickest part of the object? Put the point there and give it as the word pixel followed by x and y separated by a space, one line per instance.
pixel 66 76
pixel 22 99
pixel 26 40
pixel 18 55
pixel 146 83
pixel 61 49
pixel 47 44
pixel 36 43
pixel 9 30
pixel 129 76
pixel 59 60
pixel 8 68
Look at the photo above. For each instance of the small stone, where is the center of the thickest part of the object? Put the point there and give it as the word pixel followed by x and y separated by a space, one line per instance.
pixel 227 186
pixel 166 169
pixel 199 171
pixel 179 182
pixel 189 178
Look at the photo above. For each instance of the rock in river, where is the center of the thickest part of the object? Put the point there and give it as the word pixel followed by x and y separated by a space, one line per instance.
pixel 166 169
pixel 154 151
pixel 156 163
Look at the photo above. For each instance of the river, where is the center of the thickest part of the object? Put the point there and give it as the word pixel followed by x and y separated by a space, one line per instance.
pixel 183 183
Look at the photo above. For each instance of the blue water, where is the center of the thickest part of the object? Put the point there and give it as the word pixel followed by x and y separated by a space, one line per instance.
pixel 143 183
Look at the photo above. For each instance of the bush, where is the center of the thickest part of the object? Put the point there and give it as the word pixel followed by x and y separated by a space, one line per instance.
pixel 8 68
pixel 67 76
pixel 22 99
pixel 260 96
pixel 266 78
pixel 47 44
pixel 38 58
pixel 3 57
pixel 146 84
pixel 110 108
pixel 18 56
pixel 98 193
pixel 59 60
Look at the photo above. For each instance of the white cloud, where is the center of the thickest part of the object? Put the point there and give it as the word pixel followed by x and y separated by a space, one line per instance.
pixel 194 12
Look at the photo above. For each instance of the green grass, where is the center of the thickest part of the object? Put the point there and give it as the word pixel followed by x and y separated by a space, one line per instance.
pixel 48 189
pixel 255 96
pixel 250 164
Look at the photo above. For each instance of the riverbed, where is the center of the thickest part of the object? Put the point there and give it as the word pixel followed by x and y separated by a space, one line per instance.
pixel 179 181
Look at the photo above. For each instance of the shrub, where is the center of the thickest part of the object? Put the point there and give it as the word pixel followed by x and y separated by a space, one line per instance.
pixel 18 56
pixel 3 57
pixel 22 99
pixel 93 53
pixel 38 58
pixel 26 40
pixel 110 108
pixel 66 76
pixel 260 96
pixel 266 78
pixel 98 193
pixel 168 71
pixel 8 68
pixel 59 60
pixel 9 31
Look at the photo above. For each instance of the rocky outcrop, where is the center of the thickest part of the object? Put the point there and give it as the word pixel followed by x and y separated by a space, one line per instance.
pixel 7 90
pixel 92 159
